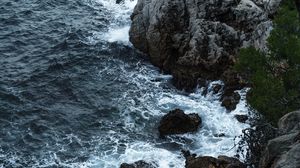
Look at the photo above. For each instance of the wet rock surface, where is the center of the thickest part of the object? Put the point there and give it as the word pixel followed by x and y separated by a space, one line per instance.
pixel 138 164
pixel 230 101
pixel 241 118
pixel 211 162
pixel 177 122
pixel 199 39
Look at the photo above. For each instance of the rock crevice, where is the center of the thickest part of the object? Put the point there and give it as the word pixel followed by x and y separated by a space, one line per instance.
pixel 194 39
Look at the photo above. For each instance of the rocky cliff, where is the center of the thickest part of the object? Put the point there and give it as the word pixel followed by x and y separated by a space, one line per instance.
pixel 194 39
pixel 284 150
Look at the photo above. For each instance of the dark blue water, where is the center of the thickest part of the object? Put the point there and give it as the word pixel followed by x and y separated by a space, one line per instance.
pixel 74 93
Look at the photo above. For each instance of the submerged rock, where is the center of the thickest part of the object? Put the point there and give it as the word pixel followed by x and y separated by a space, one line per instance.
pixel 230 101
pixel 216 88
pixel 232 82
pixel 138 164
pixel 177 122
pixel 241 118
pixel 200 38
pixel 284 151
pixel 119 1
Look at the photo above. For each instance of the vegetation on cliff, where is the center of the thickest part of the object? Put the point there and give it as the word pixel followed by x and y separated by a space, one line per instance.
pixel 275 76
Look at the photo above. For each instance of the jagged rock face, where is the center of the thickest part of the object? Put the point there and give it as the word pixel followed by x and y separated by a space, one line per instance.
pixel 199 38
pixel 284 151
pixel 211 162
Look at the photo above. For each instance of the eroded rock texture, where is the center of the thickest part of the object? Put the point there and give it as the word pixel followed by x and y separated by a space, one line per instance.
pixel 284 151
pixel 211 162
pixel 195 39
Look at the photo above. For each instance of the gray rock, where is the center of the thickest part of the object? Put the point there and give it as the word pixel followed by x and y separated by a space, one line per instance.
pixel 290 122
pixel 211 162
pixel 284 151
pixel 199 38
pixel 291 159
pixel 276 148
pixel 138 164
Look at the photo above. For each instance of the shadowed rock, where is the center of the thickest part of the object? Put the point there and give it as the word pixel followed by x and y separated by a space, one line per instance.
pixel 138 164
pixel 200 38
pixel 241 118
pixel 177 122
pixel 119 1
pixel 230 101
pixel 284 150
pixel 211 162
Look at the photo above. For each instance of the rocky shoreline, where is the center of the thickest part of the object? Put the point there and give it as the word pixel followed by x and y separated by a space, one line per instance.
pixel 197 41
pixel 283 151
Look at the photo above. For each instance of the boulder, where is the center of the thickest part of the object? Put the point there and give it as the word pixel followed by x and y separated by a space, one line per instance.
pixel 211 162
pixel 284 151
pixel 177 122
pixel 230 101
pixel 216 88
pixel 241 118
pixel 137 164
pixel 277 149
pixel 289 122
pixel 200 38
pixel 119 1
pixel 290 159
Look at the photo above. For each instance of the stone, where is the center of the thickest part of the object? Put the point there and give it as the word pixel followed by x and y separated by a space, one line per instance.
pixel 241 118
pixel 290 159
pixel 200 38
pixel 289 122
pixel 177 122
pixel 284 150
pixel 119 1
pixel 216 88
pixel 230 101
pixel 137 164
pixel 211 162
pixel 276 148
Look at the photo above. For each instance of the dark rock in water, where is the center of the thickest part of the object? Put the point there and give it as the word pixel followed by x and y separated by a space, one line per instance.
pixel 177 122
pixel 230 101
pixel 241 118
pixel 284 151
pixel 138 164
pixel 220 135
pixel 186 154
pixel 217 88
pixel 211 162
pixel 199 39
pixel 119 1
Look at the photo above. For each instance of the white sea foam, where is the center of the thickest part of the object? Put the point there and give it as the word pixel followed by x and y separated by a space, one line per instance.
pixel 151 95
pixel 118 35
pixel 148 96
pixel 119 17
pixel 142 151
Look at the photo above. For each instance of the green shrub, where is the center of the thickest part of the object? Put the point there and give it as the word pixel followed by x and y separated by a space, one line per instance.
pixel 275 76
